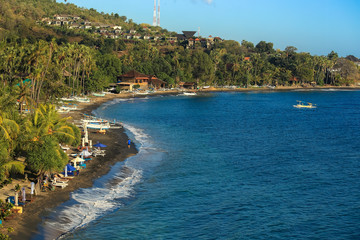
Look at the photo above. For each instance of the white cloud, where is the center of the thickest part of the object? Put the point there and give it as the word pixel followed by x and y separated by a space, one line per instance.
pixel 208 1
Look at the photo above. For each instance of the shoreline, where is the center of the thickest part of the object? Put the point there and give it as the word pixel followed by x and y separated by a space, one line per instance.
pixel 26 225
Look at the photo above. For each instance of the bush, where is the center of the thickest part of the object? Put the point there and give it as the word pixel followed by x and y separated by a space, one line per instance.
pixel 5 208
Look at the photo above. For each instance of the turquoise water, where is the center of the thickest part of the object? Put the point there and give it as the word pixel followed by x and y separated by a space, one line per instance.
pixel 228 166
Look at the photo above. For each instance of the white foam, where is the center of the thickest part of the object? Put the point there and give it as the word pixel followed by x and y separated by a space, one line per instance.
pixel 87 205
pixel 139 134
pixel 91 203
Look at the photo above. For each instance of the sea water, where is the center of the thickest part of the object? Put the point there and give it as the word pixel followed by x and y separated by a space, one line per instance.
pixel 226 166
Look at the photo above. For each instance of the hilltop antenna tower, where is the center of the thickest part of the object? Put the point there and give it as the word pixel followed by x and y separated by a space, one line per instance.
pixel 154 17
pixel 158 16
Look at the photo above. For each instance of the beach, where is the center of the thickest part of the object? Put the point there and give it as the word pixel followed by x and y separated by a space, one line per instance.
pixel 25 225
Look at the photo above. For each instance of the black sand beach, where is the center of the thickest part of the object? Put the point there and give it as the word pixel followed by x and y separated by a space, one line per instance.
pixel 25 225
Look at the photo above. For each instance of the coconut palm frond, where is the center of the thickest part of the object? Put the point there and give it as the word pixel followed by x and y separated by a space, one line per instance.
pixel 13 166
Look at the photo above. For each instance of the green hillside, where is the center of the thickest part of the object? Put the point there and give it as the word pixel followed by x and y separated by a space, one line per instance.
pixel 43 33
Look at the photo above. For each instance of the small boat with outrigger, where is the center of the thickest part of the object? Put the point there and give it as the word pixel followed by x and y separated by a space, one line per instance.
pixel 301 104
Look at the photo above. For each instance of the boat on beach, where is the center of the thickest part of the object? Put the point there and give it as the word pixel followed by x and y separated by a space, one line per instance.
pixel 68 99
pixel 189 93
pixel 99 126
pixel 69 107
pixel 102 94
pixel 82 99
pixel 304 105
pixel 62 110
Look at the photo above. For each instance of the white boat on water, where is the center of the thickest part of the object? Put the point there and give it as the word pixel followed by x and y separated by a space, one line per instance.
pixel 303 105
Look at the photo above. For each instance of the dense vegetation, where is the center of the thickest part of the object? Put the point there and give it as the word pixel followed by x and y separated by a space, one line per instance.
pixel 63 61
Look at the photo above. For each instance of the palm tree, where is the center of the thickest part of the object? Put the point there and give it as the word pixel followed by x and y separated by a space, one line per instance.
pixel 9 131
pixel 46 122
pixel 44 131
pixel 23 95
pixel 8 166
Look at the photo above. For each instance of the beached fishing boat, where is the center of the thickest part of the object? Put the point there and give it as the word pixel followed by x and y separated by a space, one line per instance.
pixel 189 93
pixel 100 126
pixel 68 99
pixel 62 110
pixel 142 93
pixel 303 105
pixel 99 94
pixel 71 107
pixel 92 119
pixel 82 99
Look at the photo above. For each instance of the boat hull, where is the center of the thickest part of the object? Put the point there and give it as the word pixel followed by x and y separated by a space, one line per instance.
pixel 98 126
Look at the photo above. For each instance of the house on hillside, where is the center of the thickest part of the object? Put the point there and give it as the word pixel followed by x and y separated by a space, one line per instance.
pixel 117 31
pixel 74 26
pixel 115 27
pixel 61 17
pixel 132 78
pixel 46 21
pixel 56 23
pixel 186 35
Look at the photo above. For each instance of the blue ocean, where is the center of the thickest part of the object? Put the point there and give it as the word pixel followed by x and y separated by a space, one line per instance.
pixel 239 165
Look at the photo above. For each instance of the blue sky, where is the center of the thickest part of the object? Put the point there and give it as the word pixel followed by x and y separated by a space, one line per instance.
pixel 314 26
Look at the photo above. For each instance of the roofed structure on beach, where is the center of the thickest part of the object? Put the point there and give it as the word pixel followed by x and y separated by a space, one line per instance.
pixel 132 76
pixel 143 80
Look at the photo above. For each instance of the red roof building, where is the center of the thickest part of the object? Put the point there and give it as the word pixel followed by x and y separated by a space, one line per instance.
pixel 143 80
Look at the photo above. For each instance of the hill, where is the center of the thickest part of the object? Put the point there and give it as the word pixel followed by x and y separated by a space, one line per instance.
pixel 114 45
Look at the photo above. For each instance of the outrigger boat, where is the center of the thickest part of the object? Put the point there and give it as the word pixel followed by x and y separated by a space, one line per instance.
pixel 303 105
pixel 100 126
pixel 102 94
pixel 82 99
pixel 189 93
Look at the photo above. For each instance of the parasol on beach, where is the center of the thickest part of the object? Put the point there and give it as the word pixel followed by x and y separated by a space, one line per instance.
pixel 85 153
pixel 99 145
pixel 23 194
pixel 65 171
pixel 77 160
pixel 32 188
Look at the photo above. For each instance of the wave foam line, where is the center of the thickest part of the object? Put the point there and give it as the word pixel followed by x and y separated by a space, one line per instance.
pixel 92 203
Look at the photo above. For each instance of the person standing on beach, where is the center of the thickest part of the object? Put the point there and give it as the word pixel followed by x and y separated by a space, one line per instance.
pixel 129 142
